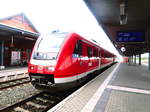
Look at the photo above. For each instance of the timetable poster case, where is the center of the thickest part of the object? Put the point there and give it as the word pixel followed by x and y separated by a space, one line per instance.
pixel 15 58
pixel 130 36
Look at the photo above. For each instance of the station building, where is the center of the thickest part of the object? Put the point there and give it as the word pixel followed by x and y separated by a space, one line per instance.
pixel 17 38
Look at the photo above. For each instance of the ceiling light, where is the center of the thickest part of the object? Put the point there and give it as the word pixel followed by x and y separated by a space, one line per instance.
pixel 123 14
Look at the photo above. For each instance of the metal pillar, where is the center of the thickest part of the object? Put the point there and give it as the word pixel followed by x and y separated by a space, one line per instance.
pixel 149 62
pixel 135 59
pixel 131 60
pixel 139 59
pixel 1 54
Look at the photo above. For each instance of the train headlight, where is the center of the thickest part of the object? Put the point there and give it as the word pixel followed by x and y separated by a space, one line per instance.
pixel 31 67
pixel 50 68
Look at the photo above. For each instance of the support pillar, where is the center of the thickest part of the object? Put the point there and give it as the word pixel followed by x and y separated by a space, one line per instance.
pixel 139 59
pixel 149 62
pixel 131 60
pixel 2 55
pixel 135 59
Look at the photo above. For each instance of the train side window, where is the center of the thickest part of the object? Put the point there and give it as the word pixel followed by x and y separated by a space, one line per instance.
pixel 105 55
pixel 89 51
pixel 99 53
pixel 102 54
pixel 78 48
pixel 95 53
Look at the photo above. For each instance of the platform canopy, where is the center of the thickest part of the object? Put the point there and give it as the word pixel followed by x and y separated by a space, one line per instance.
pixel 17 26
pixel 126 22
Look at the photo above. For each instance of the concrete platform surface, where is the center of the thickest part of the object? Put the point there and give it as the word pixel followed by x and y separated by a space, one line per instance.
pixel 121 88
pixel 77 101
pixel 13 73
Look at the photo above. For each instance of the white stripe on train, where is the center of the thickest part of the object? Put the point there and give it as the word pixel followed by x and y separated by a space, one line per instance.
pixel 79 76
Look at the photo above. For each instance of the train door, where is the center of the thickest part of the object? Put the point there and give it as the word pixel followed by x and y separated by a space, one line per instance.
pixel 84 57
pixel 89 53
pixel 7 56
pixel 80 61
pixel 78 55
pixel 99 57
pixel 96 59
pixel 102 57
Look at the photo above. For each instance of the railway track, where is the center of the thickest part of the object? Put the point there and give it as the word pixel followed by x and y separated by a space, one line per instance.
pixel 14 82
pixel 40 102
pixel 43 101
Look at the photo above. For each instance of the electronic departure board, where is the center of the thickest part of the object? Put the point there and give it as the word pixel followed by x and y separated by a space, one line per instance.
pixel 130 36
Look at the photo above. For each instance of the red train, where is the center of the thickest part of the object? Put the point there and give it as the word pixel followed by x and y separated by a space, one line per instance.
pixel 63 60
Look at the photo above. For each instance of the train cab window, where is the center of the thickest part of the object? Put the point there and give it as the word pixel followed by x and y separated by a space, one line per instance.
pixel 89 51
pixel 48 46
pixel 78 48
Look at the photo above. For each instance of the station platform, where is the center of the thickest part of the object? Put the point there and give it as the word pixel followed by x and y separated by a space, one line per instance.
pixel 12 73
pixel 121 88
pixel 15 68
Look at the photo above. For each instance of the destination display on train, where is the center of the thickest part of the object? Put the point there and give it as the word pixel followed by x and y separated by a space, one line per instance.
pixel 130 36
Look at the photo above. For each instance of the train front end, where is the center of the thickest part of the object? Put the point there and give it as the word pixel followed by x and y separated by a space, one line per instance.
pixel 43 60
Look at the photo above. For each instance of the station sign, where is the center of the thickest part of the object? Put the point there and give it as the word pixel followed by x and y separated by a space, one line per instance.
pixel 130 36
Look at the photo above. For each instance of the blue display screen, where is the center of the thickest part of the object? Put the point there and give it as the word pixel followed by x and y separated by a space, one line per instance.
pixel 128 36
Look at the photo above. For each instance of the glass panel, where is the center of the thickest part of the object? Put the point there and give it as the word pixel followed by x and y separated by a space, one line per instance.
pixel 48 47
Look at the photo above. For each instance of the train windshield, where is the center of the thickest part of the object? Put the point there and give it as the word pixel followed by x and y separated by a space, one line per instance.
pixel 48 47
